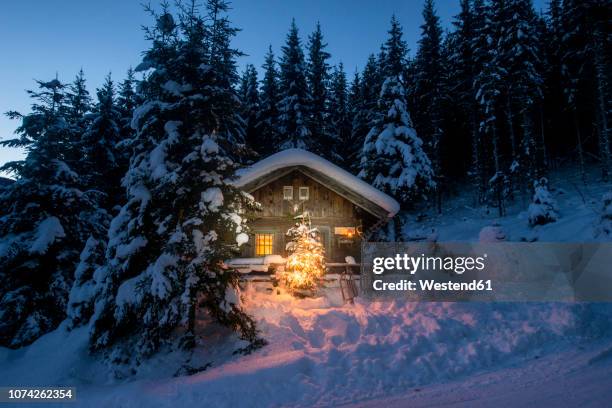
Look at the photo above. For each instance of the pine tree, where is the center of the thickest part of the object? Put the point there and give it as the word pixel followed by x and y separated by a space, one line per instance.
pixel 103 169
pixel 555 119
pixel 79 104
pixel 46 219
pixel 222 60
pixel 428 86
pixel 587 64
pixel 249 95
pixel 358 125
pixel 99 147
pixel 343 150
pixel 127 99
pixel 487 84
pixel 294 106
pixel 269 102
pixel 78 98
pixel 364 108
pixel 393 157
pixel 392 58
pixel 462 73
pixel 318 78
pixel 182 218
pixel 519 57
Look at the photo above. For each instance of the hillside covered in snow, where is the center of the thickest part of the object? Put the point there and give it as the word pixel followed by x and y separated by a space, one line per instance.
pixel 323 353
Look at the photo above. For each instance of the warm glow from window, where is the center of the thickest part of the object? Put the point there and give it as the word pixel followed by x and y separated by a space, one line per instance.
pixel 348 232
pixel 263 244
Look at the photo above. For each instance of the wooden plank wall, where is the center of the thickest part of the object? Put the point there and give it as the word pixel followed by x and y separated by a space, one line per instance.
pixel 326 208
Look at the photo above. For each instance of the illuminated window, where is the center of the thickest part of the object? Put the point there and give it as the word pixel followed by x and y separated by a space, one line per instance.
pixel 348 232
pixel 288 193
pixel 263 244
pixel 303 193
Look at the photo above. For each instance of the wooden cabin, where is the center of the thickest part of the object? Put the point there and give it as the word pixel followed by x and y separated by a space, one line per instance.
pixel 341 206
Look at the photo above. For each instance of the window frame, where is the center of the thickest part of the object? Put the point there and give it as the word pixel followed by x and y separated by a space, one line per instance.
pixel 268 243
pixel 307 196
pixel 286 189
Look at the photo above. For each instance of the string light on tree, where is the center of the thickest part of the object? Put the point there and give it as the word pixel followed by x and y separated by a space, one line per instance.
pixel 306 262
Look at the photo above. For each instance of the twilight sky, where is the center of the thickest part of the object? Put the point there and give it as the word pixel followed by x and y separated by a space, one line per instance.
pixel 41 38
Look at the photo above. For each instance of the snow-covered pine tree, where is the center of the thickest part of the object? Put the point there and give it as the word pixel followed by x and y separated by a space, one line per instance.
pixel 127 99
pixel 79 104
pixel 462 72
pixel 487 85
pixel 269 103
pixel 543 207
pixel 554 118
pixel 343 150
pixel 358 127
pixel 428 92
pixel 249 95
pixel 365 110
pixel 222 59
pixel 573 41
pixel 104 166
pixel 294 106
pixel 46 220
pixel 519 58
pixel 317 75
pixel 78 98
pixel 306 262
pixel 182 218
pixel 393 157
pixel 587 64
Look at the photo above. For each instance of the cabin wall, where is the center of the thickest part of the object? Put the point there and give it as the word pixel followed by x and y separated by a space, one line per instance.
pixel 327 210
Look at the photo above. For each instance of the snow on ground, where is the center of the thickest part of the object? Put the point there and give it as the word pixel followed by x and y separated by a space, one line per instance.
pixel 572 378
pixel 323 353
pixel 580 209
pixel 326 355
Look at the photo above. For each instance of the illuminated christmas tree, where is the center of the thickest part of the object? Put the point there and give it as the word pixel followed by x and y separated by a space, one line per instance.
pixel 306 262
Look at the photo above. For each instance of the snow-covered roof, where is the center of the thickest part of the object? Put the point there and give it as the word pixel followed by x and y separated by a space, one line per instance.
pixel 344 183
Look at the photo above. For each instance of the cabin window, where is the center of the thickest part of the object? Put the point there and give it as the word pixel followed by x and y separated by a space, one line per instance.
pixel 263 244
pixel 288 193
pixel 304 193
pixel 348 232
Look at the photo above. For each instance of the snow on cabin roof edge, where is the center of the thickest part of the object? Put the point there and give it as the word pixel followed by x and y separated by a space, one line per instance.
pixel 300 157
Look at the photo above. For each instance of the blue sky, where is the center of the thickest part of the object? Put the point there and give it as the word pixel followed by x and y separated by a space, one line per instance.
pixel 41 38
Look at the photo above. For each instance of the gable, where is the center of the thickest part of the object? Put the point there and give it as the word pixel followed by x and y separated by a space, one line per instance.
pixel 322 171
pixel 322 202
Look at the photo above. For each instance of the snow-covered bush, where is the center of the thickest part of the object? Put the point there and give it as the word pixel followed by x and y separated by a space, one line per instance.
pixel 492 233
pixel 605 225
pixel 543 208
